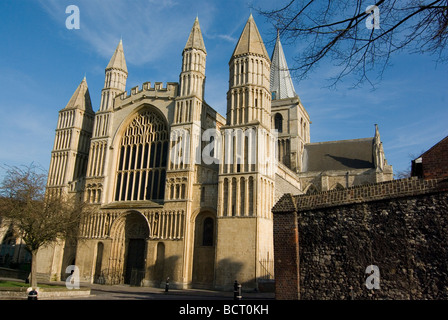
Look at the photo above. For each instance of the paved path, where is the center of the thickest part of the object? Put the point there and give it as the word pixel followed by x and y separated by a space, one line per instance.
pixel 126 292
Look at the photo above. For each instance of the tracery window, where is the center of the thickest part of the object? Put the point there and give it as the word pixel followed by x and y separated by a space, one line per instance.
pixel 142 161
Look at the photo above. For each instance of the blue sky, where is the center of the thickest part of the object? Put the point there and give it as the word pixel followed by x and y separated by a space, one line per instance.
pixel 42 62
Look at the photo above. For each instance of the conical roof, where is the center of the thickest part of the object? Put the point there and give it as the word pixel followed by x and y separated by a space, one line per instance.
pixel 80 98
pixel 281 82
pixel 250 41
pixel 195 39
pixel 118 61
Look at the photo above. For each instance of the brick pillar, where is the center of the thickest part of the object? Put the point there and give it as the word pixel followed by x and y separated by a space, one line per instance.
pixel 286 256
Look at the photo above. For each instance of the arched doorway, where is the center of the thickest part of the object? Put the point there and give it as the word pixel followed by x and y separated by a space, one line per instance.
pixel 204 250
pixel 128 256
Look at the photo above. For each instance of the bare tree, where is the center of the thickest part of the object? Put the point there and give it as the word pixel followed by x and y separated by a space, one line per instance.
pixel 407 173
pixel 40 218
pixel 359 36
pixel 403 174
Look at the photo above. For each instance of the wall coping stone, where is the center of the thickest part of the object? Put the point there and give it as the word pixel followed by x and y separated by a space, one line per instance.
pixel 359 194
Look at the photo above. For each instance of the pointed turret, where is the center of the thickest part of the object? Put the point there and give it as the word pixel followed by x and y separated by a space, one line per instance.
pixel 115 79
pixel 118 61
pixel 195 40
pixel 80 98
pixel 192 77
pixel 378 151
pixel 250 41
pixel 249 94
pixel 247 173
pixel 281 82
pixel 72 140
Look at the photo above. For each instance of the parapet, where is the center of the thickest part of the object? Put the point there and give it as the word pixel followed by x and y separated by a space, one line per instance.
pixel 362 194
pixel 158 91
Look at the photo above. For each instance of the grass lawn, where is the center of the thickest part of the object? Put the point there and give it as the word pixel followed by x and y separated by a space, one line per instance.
pixel 17 284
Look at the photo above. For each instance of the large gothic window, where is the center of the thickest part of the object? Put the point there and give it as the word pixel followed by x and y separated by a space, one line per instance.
pixel 142 159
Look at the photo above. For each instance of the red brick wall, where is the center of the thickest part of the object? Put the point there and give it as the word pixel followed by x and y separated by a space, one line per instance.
pixel 286 257
pixel 435 161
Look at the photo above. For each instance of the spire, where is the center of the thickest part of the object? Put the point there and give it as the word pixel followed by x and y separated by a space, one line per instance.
pixel 281 82
pixel 81 98
pixel 195 39
pixel 118 61
pixel 250 40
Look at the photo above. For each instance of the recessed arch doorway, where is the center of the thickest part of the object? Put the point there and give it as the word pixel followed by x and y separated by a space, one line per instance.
pixel 204 250
pixel 129 248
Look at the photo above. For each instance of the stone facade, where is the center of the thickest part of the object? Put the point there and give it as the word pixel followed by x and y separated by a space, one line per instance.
pixel 161 209
pixel 179 190
pixel 324 242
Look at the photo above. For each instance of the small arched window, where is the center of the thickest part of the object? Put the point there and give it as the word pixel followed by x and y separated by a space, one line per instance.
pixel 207 232
pixel 312 189
pixel 338 186
pixel 278 122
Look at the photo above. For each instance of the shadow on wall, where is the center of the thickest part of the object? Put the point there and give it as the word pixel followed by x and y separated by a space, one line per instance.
pixel 162 269
pixel 69 257
pixel 227 272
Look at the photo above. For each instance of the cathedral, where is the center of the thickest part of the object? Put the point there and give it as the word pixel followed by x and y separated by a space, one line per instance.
pixel 180 191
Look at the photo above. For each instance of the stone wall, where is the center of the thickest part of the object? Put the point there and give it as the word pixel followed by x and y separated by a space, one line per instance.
pixel 399 226
pixel 286 181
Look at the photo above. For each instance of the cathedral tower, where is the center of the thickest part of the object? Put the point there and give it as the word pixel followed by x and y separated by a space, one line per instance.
pixel 248 98
pixel 71 144
pixel 115 79
pixel 67 172
pixel 246 174
pixel 289 117
pixel 185 156
pixel 192 77
pixel 116 74
pixel 189 103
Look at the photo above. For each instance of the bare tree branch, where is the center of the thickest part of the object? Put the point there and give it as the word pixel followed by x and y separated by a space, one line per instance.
pixel 39 217
pixel 337 30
